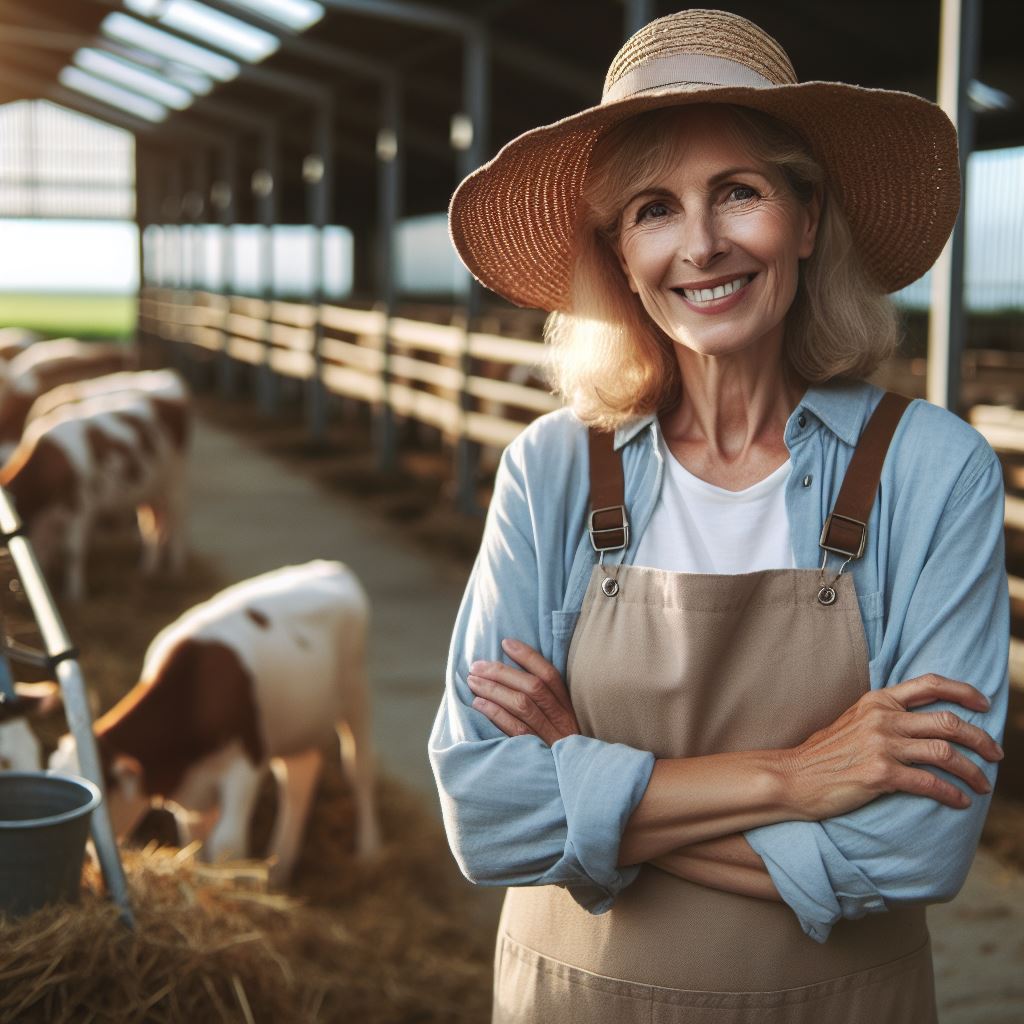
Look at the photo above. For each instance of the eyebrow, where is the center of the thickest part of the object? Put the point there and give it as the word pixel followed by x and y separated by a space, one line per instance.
pixel 715 179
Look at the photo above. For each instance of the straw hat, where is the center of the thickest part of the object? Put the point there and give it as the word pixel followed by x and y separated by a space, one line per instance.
pixel 889 157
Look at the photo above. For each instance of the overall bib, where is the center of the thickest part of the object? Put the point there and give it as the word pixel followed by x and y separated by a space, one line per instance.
pixel 685 665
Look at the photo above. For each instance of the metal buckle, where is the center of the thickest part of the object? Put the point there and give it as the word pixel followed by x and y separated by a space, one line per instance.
pixel 622 528
pixel 844 551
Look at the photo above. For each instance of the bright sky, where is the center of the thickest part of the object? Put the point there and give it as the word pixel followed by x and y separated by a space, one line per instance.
pixel 101 256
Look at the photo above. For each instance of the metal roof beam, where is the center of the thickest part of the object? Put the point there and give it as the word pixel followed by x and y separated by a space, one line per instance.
pixel 309 49
pixel 422 15
pixel 275 81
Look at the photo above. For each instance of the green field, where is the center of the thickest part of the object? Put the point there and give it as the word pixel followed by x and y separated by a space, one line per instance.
pixel 79 316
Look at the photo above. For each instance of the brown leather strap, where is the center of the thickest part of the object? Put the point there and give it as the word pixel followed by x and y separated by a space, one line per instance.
pixel 845 531
pixel 607 523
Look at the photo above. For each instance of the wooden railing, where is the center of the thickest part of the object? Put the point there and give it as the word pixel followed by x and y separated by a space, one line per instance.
pixel 474 386
pixel 425 379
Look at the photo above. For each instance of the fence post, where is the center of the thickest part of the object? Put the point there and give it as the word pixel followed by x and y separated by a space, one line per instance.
pixel 469 135
pixel 264 187
pixel 318 173
pixel 222 196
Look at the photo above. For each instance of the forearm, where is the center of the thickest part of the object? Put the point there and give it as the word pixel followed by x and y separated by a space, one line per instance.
pixel 694 799
pixel 728 863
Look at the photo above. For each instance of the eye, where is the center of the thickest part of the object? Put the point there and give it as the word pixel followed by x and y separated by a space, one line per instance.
pixel 743 193
pixel 652 211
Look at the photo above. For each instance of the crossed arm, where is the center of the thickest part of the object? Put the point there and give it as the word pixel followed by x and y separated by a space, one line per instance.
pixel 691 819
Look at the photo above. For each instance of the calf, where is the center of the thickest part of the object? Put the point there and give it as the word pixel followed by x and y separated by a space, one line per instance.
pixel 258 676
pixel 19 748
pixel 166 384
pixel 108 454
pixel 46 365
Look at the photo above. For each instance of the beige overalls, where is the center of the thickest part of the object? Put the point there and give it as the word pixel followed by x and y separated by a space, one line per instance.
pixel 684 665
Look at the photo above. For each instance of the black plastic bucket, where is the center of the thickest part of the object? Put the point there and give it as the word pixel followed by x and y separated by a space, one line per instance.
pixel 44 823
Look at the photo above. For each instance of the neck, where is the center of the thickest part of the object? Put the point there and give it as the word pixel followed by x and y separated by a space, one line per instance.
pixel 734 404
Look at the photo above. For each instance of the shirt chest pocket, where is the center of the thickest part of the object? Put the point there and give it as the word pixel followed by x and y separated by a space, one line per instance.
pixel 563 625
pixel 871 613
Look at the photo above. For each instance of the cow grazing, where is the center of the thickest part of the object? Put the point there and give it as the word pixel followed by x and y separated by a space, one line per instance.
pixel 19 748
pixel 108 454
pixel 45 365
pixel 166 384
pixel 258 676
pixel 14 340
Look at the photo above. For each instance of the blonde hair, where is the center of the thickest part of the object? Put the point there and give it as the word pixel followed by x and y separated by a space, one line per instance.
pixel 608 358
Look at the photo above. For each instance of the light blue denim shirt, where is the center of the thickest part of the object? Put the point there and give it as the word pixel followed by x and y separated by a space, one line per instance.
pixel 933 595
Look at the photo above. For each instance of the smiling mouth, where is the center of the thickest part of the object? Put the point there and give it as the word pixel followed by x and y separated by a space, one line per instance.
pixel 702 296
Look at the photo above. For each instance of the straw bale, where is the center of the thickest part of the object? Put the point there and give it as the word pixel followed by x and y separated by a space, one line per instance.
pixel 393 940
pixel 402 938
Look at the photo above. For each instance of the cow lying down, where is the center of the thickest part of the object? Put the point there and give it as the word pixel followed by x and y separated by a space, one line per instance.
pixel 112 453
pixel 258 677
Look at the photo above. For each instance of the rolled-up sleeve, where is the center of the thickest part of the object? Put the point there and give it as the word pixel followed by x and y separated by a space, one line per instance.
pixel 953 620
pixel 516 811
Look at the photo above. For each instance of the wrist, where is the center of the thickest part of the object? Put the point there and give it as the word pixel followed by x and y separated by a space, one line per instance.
pixel 788 783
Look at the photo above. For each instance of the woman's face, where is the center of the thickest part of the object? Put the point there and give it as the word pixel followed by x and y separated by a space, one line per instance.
pixel 712 249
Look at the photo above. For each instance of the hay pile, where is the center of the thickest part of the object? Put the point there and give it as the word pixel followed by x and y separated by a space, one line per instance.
pixel 393 941
pixel 401 940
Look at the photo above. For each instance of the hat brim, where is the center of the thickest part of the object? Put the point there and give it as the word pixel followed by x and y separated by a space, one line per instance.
pixel 890 159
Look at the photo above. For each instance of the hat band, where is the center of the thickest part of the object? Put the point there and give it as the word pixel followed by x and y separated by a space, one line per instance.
pixel 684 69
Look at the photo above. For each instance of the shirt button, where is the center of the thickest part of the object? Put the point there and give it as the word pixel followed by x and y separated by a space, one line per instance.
pixel 807 480
pixel 802 420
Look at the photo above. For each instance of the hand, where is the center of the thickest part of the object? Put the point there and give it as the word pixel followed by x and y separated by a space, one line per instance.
pixel 530 700
pixel 868 750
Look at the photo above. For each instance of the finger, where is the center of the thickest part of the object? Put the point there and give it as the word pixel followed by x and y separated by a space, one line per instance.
pixel 531 686
pixel 518 705
pixel 537 665
pixel 509 725
pixel 943 754
pixel 922 783
pixel 930 687
pixel 950 726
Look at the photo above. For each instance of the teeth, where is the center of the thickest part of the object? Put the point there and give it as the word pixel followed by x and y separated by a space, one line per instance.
pixel 719 292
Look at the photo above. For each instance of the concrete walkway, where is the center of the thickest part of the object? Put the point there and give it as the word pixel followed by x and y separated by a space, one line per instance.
pixel 251 513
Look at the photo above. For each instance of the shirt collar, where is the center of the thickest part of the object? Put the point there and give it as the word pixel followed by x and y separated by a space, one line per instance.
pixel 842 406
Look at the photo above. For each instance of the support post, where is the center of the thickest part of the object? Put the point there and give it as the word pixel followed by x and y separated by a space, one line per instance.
pixel 318 172
pixel 265 187
pixel 390 178
pixel 222 196
pixel 638 13
pixel 143 218
pixel 476 101
pixel 959 40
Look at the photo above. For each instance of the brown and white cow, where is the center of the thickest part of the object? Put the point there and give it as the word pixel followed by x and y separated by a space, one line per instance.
pixel 45 365
pixel 108 454
pixel 20 749
pixel 257 677
pixel 167 384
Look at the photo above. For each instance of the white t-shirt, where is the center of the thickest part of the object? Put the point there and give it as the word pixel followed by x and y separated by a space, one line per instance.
pixel 698 527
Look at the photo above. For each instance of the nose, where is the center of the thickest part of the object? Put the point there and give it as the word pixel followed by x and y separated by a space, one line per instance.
pixel 701 243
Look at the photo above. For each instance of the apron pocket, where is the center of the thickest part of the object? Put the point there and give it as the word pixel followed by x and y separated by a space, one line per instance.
pixel 534 989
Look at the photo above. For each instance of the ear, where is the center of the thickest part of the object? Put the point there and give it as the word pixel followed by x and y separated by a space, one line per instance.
pixel 625 269
pixel 39 699
pixel 126 773
pixel 812 218
pixel 32 700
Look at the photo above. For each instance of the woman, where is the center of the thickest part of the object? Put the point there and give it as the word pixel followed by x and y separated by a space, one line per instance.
pixel 708 594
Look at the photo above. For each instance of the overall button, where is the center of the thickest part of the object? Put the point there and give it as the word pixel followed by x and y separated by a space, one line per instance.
pixel 609 586
pixel 807 480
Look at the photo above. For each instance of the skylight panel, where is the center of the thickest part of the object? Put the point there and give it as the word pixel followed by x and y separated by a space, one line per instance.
pixel 296 15
pixel 133 77
pixel 207 25
pixel 135 33
pixel 113 95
